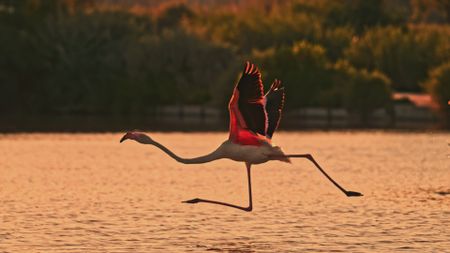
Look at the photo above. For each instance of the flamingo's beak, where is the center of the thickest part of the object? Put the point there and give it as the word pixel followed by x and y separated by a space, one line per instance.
pixel 125 137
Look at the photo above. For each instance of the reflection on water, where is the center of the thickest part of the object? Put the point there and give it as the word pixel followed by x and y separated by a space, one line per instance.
pixel 88 193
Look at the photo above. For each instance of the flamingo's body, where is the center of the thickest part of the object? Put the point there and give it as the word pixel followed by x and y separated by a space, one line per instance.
pixel 252 154
pixel 254 117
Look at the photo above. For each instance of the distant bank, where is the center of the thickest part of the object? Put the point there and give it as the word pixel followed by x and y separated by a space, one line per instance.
pixel 199 118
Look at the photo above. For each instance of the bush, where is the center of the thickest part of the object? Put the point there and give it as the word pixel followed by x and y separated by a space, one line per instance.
pixel 104 62
pixel 67 63
pixel 252 30
pixel 302 69
pixel 336 40
pixel 180 68
pixel 361 91
pixel 405 56
pixel 438 85
pixel 362 14
pixel 173 16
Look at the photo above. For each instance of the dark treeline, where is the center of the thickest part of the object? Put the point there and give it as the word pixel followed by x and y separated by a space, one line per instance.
pixel 84 58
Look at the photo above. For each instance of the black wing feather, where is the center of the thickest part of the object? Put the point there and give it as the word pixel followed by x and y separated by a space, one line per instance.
pixel 274 105
pixel 251 100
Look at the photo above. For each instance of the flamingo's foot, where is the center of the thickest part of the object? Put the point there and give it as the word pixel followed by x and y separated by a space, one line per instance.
pixel 191 201
pixel 353 194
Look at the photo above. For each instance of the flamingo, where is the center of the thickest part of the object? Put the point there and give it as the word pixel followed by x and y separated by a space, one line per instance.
pixel 254 117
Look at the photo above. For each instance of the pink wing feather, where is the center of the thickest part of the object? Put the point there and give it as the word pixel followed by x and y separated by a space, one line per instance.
pixel 248 118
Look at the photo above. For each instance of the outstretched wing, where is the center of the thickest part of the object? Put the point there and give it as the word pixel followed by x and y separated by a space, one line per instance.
pixel 247 105
pixel 274 106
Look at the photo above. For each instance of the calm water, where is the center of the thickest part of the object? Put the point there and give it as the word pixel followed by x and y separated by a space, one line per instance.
pixel 88 193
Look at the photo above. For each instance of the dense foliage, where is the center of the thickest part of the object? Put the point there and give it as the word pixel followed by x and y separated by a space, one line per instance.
pixel 439 86
pixel 62 56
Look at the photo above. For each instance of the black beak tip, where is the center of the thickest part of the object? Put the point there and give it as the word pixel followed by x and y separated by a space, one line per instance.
pixel 123 138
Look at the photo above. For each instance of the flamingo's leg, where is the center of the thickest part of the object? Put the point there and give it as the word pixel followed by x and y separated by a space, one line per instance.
pixel 310 157
pixel 247 209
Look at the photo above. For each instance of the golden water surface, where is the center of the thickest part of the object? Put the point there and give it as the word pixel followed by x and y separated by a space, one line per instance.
pixel 88 193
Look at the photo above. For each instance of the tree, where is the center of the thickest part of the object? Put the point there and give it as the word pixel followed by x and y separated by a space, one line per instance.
pixel 405 56
pixel 302 68
pixel 438 85
pixel 173 16
pixel 179 67
pixel 361 91
pixel 361 14
pixel 366 92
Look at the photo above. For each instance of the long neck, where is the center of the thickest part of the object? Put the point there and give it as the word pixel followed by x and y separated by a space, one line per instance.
pixel 201 159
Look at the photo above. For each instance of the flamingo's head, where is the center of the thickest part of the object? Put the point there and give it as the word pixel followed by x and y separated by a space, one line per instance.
pixel 137 136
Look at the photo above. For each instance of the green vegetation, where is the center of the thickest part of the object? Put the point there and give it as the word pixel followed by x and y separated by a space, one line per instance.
pixel 405 55
pixel 365 92
pixel 439 86
pixel 79 57
pixel 304 60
